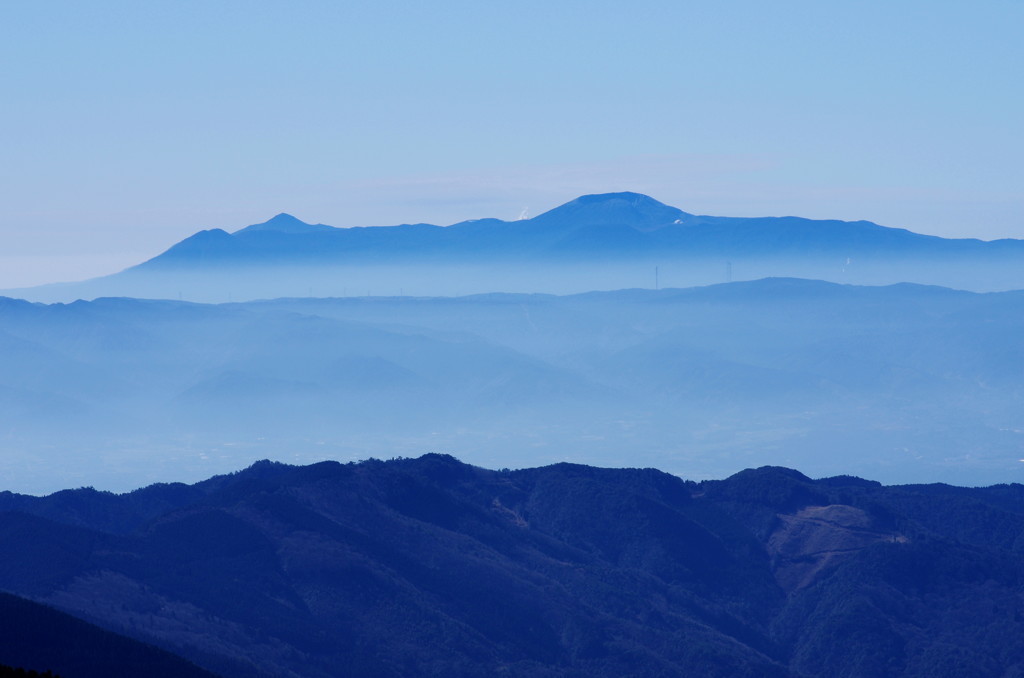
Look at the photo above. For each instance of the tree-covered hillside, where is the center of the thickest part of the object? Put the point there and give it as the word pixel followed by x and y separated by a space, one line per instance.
pixel 428 566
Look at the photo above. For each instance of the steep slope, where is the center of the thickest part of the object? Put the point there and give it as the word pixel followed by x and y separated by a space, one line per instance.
pixel 37 637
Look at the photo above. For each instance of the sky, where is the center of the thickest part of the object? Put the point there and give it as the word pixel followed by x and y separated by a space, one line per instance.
pixel 127 126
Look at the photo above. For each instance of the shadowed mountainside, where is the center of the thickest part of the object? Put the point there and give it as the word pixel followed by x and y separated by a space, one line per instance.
pixel 430 567
pixel 37 638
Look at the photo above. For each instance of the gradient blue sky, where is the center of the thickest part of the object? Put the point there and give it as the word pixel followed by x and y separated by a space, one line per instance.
pixel 127 126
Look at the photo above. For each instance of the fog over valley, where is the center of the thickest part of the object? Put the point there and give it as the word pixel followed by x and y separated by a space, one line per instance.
pixel 613 330
pixel 900 383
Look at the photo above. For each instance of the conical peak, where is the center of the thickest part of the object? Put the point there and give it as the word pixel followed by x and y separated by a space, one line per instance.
pixel 626 208
pixel 626 197
pixel 285 223
pixel 284 218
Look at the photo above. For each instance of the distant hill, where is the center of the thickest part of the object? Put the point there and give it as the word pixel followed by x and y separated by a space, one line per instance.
pixel 418 567
pixel 594 242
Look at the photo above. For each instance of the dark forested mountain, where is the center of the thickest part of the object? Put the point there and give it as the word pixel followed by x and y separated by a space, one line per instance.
pixel 433 567
pixel 898 383
pixel 37 640
pixel 606 241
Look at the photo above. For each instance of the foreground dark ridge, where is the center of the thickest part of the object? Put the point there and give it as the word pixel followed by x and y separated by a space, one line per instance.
pixel 38 641
pixel 428 566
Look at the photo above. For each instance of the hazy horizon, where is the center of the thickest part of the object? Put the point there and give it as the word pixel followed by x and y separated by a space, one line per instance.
pixel 129 127
pixel 38 269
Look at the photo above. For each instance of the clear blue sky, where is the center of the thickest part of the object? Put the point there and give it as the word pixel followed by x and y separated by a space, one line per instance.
pixel 127 126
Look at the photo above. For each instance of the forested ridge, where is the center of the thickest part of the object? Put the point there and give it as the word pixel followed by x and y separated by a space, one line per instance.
pixel 428 566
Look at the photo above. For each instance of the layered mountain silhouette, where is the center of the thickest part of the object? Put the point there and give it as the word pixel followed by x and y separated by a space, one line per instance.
pixel 428 566
pixel 606 241
pixel 898 383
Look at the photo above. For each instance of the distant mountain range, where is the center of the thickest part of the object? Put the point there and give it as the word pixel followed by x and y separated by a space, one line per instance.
pixel 608 226
pixel 898 383
pixel 606 241
pixel 430 567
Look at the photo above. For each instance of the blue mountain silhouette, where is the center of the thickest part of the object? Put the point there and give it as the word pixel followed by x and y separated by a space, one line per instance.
pixel 595 242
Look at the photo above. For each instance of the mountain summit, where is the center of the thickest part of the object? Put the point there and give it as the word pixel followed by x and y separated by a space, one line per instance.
pixel 635 210
pixel 286 223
